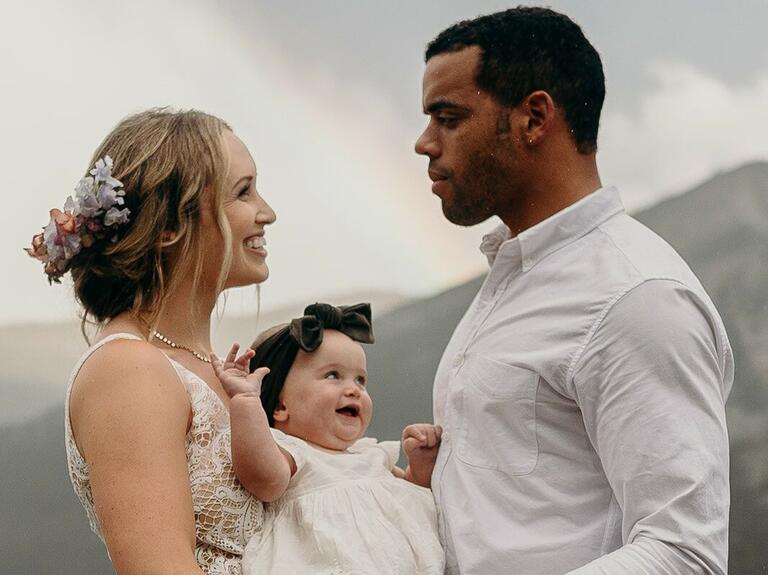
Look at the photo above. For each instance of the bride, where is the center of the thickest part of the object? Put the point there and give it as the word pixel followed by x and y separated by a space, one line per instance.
pixel 167 218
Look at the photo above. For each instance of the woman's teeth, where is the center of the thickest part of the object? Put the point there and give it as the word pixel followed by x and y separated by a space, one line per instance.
pixel 255 243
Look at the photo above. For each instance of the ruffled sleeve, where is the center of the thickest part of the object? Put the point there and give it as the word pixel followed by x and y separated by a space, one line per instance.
pixel 392 449
pixel 293 445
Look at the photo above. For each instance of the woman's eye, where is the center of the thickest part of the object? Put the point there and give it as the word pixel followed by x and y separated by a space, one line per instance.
pixel 332 375
pixel 244 192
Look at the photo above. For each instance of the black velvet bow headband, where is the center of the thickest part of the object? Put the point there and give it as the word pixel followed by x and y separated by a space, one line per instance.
pixel 278 351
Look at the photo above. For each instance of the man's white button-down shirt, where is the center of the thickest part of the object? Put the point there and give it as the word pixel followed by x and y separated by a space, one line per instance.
pixel 583 402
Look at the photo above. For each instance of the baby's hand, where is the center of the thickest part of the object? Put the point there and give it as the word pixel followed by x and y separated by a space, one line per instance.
pixel 420 444
pixel 234 373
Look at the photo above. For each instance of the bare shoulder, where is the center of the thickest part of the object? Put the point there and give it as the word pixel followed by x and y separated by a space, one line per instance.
pixel 127 383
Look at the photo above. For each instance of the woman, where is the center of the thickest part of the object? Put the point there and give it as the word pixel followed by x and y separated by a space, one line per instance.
pixel 169 219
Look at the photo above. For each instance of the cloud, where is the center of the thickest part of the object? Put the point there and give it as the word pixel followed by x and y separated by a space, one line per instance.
pixel 686 127
pixel 354 206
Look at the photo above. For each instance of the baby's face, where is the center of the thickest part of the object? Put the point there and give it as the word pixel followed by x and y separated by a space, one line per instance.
pixel 324 399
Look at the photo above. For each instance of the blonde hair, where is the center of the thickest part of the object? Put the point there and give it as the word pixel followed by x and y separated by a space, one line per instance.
pixel 172 165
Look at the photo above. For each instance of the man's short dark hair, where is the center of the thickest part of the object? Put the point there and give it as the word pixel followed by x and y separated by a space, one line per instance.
pixel 525 49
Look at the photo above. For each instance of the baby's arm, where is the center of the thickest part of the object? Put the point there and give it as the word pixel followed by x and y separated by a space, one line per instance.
pixel 420 443
pixel 260 464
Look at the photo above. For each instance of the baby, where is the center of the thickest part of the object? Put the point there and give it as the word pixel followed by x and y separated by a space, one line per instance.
pixel 299 408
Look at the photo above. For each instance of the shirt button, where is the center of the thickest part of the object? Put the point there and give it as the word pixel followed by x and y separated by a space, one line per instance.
pixel 458 360
pixel 527 262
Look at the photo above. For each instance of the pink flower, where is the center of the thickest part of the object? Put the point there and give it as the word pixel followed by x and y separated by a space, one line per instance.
pixel 38 249
pixel 65 224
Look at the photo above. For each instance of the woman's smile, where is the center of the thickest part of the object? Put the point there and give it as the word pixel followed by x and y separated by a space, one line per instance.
pixel 257 244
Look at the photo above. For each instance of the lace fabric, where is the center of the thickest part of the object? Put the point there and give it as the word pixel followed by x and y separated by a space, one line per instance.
pixel 226 515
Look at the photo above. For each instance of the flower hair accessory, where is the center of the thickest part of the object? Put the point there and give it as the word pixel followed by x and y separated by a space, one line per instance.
pixel 93 214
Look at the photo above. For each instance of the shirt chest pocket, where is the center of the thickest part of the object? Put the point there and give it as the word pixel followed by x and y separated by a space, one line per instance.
pixel 497 419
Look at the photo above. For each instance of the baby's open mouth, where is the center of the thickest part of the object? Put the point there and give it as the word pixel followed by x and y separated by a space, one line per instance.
pixel 349 410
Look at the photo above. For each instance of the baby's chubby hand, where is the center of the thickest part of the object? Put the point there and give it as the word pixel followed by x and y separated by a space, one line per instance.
pixel 420 444
pixel 420 436
pixel 234 374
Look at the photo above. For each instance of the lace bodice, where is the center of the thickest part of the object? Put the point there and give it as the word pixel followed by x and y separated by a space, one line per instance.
pixel 226 515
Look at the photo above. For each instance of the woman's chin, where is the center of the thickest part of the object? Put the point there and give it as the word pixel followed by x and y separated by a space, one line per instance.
pixel 242 280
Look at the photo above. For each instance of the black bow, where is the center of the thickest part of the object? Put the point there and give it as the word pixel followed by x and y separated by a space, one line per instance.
pixel 354 321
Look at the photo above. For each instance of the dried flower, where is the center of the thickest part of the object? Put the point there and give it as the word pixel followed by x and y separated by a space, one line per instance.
pixel 84 220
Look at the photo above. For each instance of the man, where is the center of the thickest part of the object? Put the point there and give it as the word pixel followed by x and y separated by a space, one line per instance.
pixel 582 395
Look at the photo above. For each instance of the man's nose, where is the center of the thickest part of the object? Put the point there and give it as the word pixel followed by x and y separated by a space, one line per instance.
pixel 426 145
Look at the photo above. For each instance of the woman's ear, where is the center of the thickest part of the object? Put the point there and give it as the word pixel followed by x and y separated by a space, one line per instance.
pixel 281 413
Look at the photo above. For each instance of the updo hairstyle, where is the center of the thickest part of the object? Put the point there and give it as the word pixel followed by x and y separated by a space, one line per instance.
pixel 172 164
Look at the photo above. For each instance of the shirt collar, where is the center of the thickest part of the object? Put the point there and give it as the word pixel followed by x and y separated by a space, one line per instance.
pixel 557 231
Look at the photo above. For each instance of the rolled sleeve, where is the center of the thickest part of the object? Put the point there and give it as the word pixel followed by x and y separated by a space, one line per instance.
pixel 652 383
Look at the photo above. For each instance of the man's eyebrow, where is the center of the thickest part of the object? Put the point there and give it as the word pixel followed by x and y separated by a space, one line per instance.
pixel 440 105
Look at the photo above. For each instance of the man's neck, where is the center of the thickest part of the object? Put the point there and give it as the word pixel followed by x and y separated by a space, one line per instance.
pixel 556 185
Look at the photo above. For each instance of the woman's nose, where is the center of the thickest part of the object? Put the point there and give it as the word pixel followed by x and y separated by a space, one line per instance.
pixel 265 214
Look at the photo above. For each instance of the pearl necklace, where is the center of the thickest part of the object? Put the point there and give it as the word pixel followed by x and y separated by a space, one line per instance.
pixel 175 345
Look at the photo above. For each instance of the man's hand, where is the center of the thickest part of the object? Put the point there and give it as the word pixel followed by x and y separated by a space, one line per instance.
pixel 420 444
pixel 234 373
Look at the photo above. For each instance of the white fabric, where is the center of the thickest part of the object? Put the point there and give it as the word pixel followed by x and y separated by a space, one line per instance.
pixel 346 514
pixel 582 397
pixel 226 515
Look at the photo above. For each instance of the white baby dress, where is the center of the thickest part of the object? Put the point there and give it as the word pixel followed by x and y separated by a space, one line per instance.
pixel 344 513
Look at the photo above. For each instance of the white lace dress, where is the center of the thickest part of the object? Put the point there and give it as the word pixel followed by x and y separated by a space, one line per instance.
pixel 226 515
pixel 346 514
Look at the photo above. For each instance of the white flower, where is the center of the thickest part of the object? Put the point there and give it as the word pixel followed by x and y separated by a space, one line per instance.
pixel 102 172
pixel 84 187
pixel 71 206
pixel 72 245
pixel 49 235
pixel 116 216
pixel 88 206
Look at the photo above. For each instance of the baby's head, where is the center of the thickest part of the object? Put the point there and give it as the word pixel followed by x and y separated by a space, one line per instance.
pixel 316 388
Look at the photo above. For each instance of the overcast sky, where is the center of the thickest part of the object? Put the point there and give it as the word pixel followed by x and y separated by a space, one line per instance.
pixel 327 97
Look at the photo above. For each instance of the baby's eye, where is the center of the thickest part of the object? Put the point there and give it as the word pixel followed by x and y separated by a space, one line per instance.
pixel 332 375
pixel 361 381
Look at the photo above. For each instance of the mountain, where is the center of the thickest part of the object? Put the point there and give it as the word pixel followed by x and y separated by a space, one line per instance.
pixel 720 228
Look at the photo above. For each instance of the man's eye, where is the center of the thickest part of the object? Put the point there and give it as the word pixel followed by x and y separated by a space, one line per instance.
pixel 332 375
pixel 447 121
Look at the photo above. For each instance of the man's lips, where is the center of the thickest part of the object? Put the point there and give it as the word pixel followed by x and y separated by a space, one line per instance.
pixel 436 176
pixel 439 181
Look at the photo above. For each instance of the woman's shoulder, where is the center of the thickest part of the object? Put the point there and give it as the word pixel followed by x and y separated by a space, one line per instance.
pixel 116 357
pixel 123 373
